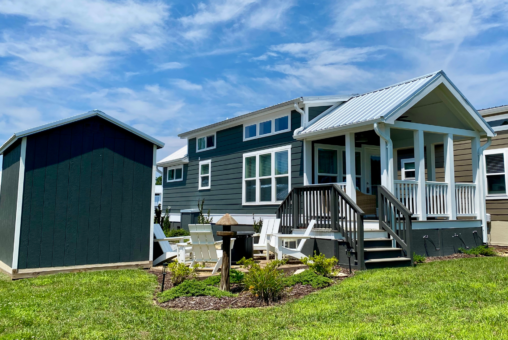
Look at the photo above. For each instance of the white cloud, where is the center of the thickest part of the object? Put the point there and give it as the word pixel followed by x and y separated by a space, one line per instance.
pixel 270 15
pixel 186 85
pixel 172 65
pixel 217 11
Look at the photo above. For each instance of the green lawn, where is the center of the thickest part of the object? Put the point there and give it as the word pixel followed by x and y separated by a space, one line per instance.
pixel 461 299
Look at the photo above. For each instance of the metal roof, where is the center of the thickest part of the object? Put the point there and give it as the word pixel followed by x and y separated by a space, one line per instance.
pixel 372 106
pixel 76 118
pixel 178 157
pixel 493 110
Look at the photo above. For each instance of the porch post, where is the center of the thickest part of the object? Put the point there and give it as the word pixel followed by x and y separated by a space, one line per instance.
pixel 450 176
pixel 475 146
pixel 387 159
pixel 420 174
pixel 350 166
pixel 307 162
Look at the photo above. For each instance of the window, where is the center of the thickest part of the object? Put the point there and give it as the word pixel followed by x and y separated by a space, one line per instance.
pixel 495 167
pixel 327 166
pixel 266 128
pixel 266 178
pixel 175 174
pixel 205 143
pixel 408 169
pixel 205 174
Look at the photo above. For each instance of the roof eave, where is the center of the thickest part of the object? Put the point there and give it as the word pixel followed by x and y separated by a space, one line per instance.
pixel 181 161
pixel 344 128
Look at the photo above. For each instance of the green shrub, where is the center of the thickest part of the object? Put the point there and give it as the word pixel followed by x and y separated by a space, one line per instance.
pixel 480 250
pixel 265 283
pixel 202 219
pixel 235 276
pixel 320 264
pixel 179 272
pixel 177 232
pixel 418 258
pixel 257 225
pixel 192 288
pixel 308 277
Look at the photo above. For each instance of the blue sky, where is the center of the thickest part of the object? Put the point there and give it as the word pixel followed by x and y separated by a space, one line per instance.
pixel 166 67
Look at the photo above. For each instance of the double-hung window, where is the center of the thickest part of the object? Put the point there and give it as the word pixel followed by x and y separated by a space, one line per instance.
pixel 205 143
pixel 205 174
pixel 408 169
pixel 266 127
pixel 495 166
pixel 175 174
pixel 266 176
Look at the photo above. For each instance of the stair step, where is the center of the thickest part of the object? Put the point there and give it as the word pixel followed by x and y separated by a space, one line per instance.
pixel 388 263
pixel 394 259
pixel 383 249
pixel 377 239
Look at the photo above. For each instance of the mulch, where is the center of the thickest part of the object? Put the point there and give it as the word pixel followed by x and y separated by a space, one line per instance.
pixel 243 300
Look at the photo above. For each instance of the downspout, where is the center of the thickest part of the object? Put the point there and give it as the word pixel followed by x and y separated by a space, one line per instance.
pixel 389 154
pixel 302 113
pixel 306 178
pixel 481 188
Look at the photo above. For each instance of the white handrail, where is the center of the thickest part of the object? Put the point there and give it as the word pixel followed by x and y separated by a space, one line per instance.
pixel 465 197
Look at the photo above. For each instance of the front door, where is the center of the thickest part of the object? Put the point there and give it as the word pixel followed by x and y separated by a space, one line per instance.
pixel 372 170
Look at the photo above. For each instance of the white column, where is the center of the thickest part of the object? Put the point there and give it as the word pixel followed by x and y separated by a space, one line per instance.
pixel 307 162
pixel 387 159
pixel 479 179
pixel 391 166
pixel 350 166
pixel 420 174
pixel 475 146
pixel 450 175
pixel 384 162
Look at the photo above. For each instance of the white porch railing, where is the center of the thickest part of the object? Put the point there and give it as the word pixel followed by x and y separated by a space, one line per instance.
pixel 406 192
pixel 436 194
pixel 342 185
pixel 465 196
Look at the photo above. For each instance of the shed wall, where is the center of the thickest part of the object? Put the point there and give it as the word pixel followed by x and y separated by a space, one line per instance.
pixel 8 201
pixel 86 197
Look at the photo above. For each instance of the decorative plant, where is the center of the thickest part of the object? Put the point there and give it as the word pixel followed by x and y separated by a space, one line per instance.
pixel 308 277
pixel 202 219
pixel 320 264
pixel 179 272
pixel 265 283
pixel 235 276
pixel 418 258
pixel 158 213
pixel 166 225
pixel 257 224
pixel 192 288
pixel 480 250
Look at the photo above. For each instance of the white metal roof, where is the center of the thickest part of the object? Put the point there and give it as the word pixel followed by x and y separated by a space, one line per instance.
pixel 382 104
pixel 76 118
pixel 178 157
pixel 494 110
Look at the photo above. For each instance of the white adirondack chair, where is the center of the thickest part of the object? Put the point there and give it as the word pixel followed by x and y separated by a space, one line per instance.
pixel 203 246
pixel 169 250
pixel 276 243
pixel 270 226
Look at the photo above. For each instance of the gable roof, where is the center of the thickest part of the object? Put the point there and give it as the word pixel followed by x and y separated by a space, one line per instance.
pixel 176 158
pixel 76 118
pixel 387 104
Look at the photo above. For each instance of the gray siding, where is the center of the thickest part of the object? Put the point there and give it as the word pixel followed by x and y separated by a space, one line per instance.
pixel 86 197
pixel 8 201
pixel 316 111
pixel 225 194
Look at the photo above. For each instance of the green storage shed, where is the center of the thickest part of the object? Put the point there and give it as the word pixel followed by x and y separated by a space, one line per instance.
pixel 77 195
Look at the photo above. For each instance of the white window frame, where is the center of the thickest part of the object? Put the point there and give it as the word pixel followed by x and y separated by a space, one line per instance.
pixel 205 136
pixel 174 168
pixel 209 162
pixel 503 151
pixel 263 120
pixel 403 169
pixel 272 176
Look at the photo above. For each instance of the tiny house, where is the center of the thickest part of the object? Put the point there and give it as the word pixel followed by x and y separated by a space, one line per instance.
pixel 77 195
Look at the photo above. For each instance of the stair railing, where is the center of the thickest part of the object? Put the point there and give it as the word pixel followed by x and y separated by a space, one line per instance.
pixel 395 219
pixel 331 208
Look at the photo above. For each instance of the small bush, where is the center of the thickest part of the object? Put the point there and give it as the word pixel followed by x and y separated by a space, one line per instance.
pixel 177 232
pixel 418 258
pixel 480 250
pixel 179 272
pixel 320 264
pixel 265 283
pixel 192 288
pixel 235 276
pixel 257 225
pixel 308 277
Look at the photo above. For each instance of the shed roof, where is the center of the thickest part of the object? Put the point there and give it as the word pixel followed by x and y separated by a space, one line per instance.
pixel 76 118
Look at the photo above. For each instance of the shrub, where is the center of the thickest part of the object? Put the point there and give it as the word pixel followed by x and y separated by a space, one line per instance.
pixel 418 258
pixel 257 225
pixel 480 250
pixel 235 276
pixel 320 264
pixel 179 272
pixel 192 288
pixel 166 225
pixel 265 283
pixel 177 232
pixel 202 219
pixel 308 277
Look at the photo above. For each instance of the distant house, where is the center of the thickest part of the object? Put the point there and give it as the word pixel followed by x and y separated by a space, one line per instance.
pixel 77 194
pixel 293 155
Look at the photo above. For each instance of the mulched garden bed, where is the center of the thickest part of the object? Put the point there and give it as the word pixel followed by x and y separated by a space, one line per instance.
pixel 449 257
pixel 243 300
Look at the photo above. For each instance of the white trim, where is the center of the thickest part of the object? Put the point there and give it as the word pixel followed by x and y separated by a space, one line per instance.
pixel 174 168
pixel 351 166
pixel 419 145
pixel 19 204
pixel 209 162
pixel 307 162
pixel 272 122
pixel 450 175
pixel 206 136
pixel 154 176
pixel 435 129
pixel 76 118
pixel 272 175
pixel 504 152
pixel 403 168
